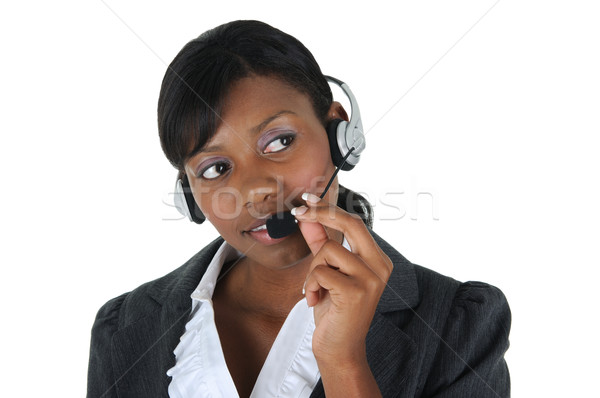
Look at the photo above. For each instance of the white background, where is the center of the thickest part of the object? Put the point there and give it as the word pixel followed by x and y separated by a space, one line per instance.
pixel 497 120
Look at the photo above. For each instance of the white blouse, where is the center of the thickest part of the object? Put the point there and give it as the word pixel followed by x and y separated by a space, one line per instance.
pixel 290 369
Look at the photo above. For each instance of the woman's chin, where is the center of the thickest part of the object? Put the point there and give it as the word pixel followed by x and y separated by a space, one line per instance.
pixel 284 253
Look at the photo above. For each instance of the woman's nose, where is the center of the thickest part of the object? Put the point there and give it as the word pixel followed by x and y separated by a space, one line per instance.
pixel 261 193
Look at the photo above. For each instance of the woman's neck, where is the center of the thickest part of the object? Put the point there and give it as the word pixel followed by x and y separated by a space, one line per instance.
pixel 263 291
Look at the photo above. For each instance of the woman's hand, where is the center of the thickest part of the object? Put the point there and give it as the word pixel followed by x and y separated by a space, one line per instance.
pixel 344 287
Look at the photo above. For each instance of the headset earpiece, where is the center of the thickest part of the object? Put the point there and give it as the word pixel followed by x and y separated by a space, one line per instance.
pixel 185 203
pixel 332 133
pixel 343 135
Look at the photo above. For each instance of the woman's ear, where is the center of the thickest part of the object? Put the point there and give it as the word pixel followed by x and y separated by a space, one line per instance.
pixel 337 111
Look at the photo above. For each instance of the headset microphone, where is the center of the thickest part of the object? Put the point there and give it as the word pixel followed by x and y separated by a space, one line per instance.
pixel 283 224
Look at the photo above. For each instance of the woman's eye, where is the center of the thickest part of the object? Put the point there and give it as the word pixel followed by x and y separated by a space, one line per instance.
pixel 279 144
pixel 215 170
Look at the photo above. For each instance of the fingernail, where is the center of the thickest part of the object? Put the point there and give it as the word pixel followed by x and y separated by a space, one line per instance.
pixel 309 197
pixel 298 211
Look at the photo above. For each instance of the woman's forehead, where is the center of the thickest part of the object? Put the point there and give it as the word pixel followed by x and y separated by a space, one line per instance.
pixel 250 105
pixel 253 102
pixel 261 95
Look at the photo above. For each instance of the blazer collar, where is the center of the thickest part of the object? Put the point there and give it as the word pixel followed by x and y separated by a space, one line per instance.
pixel 174 292
pixel 401 291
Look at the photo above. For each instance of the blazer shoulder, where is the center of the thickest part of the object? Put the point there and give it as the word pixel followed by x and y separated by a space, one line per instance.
pixel 107 318
pixel 176 286
pixel 483 304
pixel 100 372
pixel 458 331
pixel 430 280
pixel 473 299
pixel 475 338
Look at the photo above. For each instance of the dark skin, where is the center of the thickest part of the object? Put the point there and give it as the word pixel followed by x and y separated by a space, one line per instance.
pixel 258 156
pixel 247 333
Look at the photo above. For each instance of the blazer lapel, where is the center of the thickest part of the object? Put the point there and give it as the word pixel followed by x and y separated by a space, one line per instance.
pixel 143 351
pixel 142 354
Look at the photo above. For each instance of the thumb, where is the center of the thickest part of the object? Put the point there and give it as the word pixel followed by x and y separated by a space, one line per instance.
pixel 314 235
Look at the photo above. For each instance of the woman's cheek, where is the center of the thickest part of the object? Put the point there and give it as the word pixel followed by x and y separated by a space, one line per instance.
pixel 314 176
pixel 225 205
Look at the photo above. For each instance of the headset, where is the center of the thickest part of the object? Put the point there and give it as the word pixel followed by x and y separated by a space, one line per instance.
pixel 346 142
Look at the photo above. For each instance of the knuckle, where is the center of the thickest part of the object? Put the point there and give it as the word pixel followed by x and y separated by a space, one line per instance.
pixel 357 292
pixel 319 269
pixel 325 210
pixel 328 245
pixel 327 250
pixel 373 283
pixel 355 216
pixel 355 219
pixel 389 265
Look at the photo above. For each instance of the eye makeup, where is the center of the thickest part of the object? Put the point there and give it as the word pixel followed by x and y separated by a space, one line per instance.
pixel 267 143
pixel 207 164
pixel 268 138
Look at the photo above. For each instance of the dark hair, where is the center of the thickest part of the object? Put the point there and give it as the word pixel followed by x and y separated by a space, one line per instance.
pixel 192 91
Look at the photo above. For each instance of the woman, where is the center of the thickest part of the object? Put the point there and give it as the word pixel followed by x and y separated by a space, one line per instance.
pixel 330 309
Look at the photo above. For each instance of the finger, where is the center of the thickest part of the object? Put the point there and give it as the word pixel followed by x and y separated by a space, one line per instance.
pixel 324 277
pixel 371 252
pixel 335 255
pixel 314 233
pixel 354 230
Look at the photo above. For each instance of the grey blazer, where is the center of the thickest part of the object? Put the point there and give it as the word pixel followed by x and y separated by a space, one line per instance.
pixel 431 335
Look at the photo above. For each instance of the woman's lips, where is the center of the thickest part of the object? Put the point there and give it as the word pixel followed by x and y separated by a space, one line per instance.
pixel 261 235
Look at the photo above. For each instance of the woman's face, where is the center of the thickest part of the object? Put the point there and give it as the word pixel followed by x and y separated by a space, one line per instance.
pixel 269 149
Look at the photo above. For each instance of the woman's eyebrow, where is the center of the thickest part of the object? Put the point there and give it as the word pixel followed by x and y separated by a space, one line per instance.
pixel 254 130
pixel 264 123
pixel 213 148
